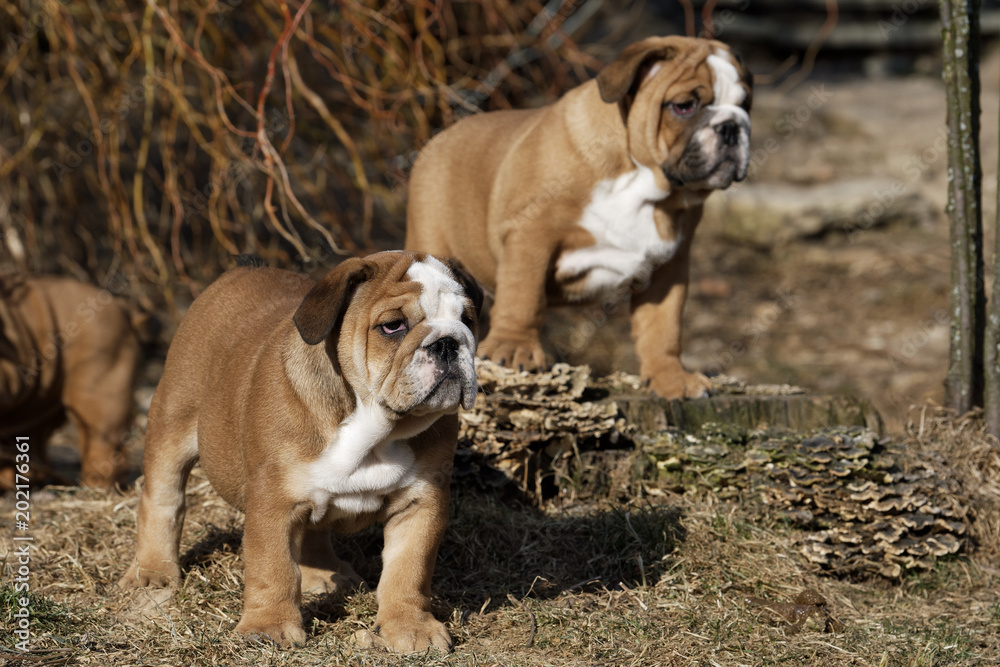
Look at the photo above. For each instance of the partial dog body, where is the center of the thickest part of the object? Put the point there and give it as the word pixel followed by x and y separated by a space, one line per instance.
pixel 592 196
pixel 66 348
pixel 317 407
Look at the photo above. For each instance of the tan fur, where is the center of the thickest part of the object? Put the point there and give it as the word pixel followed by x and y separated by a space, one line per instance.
pixel 66 349
pixel 265 369
pixel 504 192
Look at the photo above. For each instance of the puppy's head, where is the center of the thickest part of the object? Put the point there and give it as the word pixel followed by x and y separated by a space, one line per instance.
pixel 401 328
pixel 686 104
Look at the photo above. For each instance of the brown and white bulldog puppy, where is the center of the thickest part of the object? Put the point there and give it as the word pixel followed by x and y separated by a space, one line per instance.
pixel 317 407
pixel 591 196
pixel 66 349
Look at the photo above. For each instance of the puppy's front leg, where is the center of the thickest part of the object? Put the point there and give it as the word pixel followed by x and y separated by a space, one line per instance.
pixel 656 329
pixel 272 543
pixel 170 455
pixel 516 316
pixel 412 536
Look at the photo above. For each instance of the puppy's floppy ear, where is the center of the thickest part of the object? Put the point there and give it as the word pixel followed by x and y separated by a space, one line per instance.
pixel 468 283
pixel 618 77
pixel 322 309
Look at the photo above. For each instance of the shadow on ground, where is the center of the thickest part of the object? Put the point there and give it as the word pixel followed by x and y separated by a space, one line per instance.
pixel 494 549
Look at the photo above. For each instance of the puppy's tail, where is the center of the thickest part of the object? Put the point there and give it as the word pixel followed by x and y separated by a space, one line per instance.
pixel 252 261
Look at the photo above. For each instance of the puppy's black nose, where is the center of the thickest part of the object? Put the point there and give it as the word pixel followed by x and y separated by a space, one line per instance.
pixel 729 132
pixel 444 348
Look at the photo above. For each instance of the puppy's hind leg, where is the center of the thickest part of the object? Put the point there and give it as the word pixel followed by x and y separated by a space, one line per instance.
pixel 169 458
pixel 322 570
pixel 98 398
pixel 101 459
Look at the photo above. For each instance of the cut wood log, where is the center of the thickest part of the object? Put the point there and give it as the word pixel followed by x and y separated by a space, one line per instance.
pixel 802 412
pixel 860 504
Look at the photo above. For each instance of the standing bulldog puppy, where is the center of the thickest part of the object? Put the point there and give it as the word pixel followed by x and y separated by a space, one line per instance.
pixel 595 194
pixel 317 407
pixel 66 349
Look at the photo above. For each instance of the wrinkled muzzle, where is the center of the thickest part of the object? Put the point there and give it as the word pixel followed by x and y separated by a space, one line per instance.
pixel 717 154
pixel 443 372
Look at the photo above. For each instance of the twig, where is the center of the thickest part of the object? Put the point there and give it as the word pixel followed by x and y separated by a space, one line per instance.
pixel 531 618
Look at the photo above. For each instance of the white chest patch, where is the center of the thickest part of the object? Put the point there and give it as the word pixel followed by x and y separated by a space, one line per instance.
pixel 627 246
pixel 359 466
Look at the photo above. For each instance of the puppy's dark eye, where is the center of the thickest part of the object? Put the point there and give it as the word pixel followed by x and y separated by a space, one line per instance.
pixel 393 328
pixel 683 108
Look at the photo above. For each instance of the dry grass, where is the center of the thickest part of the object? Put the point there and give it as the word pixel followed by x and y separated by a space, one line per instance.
pixel 589 584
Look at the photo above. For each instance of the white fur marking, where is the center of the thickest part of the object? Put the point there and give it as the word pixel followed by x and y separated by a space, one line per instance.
pixel 729 95
pixel 727 80
pixel 360 465
pixel 627 246
pixel 442 300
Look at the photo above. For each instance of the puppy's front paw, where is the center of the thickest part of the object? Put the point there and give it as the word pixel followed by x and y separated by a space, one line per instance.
pixel 285 630
pixel 409 633
pixel 140 577
pixel 678 383
pixel 517 350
